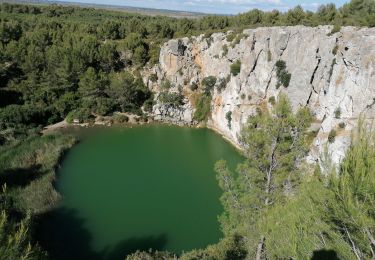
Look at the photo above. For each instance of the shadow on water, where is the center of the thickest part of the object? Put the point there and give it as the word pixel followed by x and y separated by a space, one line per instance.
pixel 324 255
pixel 63 235
pixel 133 244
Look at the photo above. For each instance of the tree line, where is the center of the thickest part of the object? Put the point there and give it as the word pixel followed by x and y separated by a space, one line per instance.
pixel 68 62
pixel 57 61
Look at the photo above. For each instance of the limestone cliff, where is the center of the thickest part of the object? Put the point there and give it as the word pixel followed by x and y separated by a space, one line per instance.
pixel 332 74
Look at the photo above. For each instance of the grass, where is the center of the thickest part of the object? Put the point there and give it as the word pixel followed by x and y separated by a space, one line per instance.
pixel 28 169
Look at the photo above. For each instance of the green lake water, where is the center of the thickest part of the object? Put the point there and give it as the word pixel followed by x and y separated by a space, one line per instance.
pixel 137 188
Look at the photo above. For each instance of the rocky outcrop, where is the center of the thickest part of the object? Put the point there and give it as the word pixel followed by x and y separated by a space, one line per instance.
pixel 332 74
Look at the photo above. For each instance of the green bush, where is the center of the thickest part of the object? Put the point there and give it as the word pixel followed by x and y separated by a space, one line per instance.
pixel 235 68
pixel 283 76
pixel 118 118
pixel 272 100
pixel 238 39
pixel 82 114
pixel 332 135
pixel 342 125
pixel 336 28
pixel 166 84
pixel 209 83
pixel 228 116
pixel 193 86
pixel 231 37
pixel 172 99
pixel 222 85
pixel 153 77
pixel 202 107
pixel 149 103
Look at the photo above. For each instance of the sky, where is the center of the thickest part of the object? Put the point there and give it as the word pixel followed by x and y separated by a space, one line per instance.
pixel 217 6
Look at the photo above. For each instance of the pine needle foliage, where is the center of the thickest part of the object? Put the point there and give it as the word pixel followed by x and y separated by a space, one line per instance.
pixel 352 210
pixel 276 143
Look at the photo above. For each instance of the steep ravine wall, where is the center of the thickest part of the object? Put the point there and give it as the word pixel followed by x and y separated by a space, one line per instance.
pixel 329 73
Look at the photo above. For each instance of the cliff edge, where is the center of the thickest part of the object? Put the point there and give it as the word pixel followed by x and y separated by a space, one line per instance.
pixel 331 73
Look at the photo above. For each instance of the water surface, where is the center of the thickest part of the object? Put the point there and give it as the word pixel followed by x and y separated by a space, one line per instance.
pixel 138 188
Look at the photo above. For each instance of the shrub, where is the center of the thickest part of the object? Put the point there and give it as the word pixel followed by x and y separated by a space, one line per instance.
pixel 121 118
pixel 166 84
pixel 338 113
pixel 222 85
pixel 103 106
pixel 202 107
pixel 283 76
pixel 249 97
pixel 342 125
pixel 193 86
pixel 149 103
pixel 331 136
pixel 209 83
pixel 207 35
pixel 238 39
pixel 272 100
pixel 172 99
pixel 243 96
pixel 228 116
pixel 336 28
pixel 143 118
pixel 311 135
pixel 82 114
pixel 153 77
pixel 230 37
pixel 235 68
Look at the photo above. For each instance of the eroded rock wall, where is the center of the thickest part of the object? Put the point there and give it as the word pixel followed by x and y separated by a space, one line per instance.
pixel 329 73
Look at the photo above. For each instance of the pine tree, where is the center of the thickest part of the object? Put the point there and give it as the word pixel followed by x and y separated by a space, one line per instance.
pixel 352 209
pixel 14 236
pixel 276 143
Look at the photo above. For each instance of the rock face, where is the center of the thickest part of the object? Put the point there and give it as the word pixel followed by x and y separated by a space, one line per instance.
pixel 332 74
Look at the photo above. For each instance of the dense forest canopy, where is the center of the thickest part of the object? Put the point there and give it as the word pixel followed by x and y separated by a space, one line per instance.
pixel 68 62
pixel 57 61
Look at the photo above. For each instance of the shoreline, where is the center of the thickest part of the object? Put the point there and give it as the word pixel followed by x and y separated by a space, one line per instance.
pixel 64 125
pixel 229 140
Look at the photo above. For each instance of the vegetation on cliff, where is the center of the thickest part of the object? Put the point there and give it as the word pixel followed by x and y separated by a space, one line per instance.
pixel 27 172
pixel 56 60
pixel 278 207
pixel 68 62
